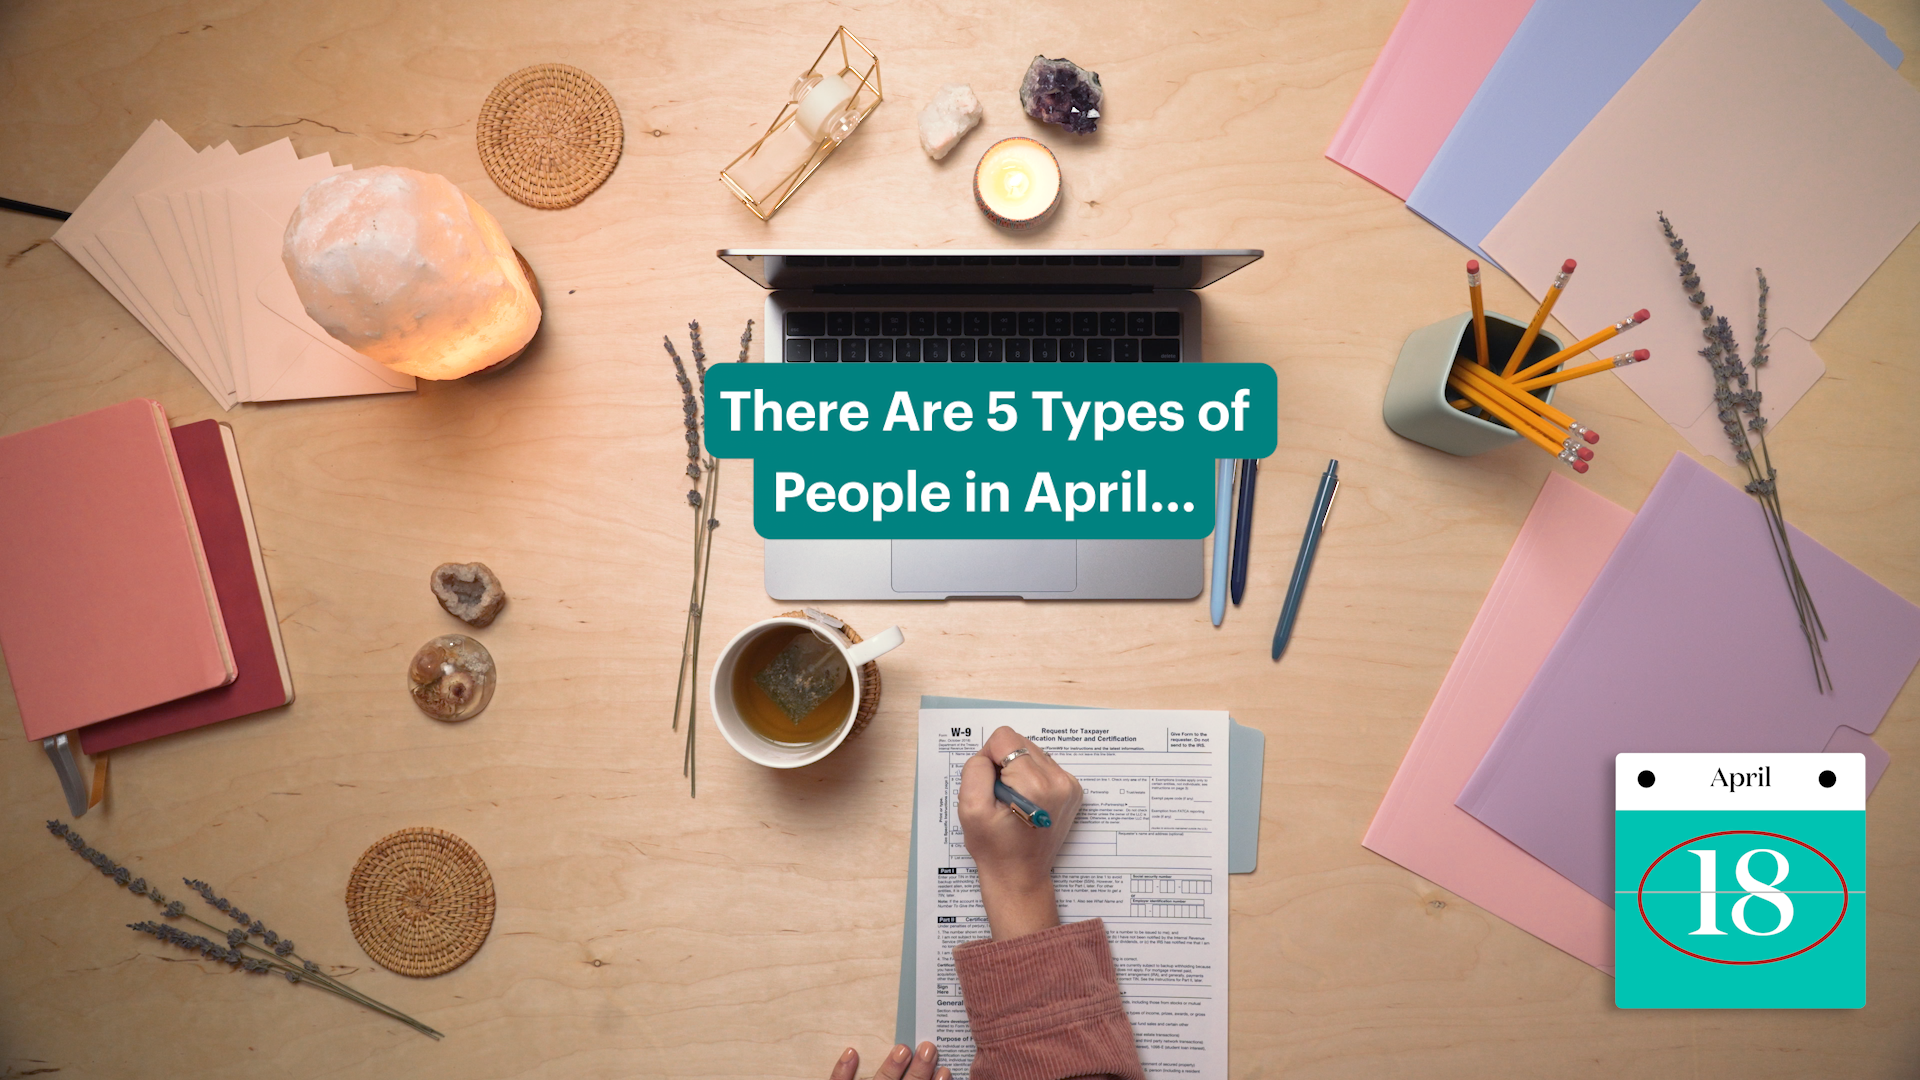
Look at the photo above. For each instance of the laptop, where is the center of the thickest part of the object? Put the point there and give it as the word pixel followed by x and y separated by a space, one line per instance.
pixel 984 307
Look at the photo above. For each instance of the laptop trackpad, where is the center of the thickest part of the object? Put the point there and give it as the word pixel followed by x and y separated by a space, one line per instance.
pixel 997 567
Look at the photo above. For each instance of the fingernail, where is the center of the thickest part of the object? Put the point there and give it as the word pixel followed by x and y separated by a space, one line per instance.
pixel 846 1055
pixel 900 1054
pixel 927 1052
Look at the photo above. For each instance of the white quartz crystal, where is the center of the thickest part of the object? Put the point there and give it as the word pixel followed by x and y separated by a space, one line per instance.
pixel 947 118
pixel 405 268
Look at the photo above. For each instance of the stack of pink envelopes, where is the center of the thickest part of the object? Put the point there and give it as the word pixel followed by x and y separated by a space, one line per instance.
pixel 189 241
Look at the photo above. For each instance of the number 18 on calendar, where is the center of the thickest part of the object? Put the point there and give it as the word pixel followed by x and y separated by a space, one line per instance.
pixel 1739 881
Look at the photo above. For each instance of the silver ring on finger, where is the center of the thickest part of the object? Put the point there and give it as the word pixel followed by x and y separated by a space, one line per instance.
pixel 1009 759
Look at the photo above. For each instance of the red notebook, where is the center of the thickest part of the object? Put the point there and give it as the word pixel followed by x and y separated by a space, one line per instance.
pixel 211 465
pixel 106 603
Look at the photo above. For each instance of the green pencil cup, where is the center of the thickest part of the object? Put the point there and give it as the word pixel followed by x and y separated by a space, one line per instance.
pixel 1416 405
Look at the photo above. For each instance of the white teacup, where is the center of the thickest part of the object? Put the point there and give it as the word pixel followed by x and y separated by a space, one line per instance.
pixel 754 746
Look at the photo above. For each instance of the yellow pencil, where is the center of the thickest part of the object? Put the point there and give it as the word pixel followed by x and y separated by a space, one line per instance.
pixel 1539 318
pixel 1580 346
pixel 1490 404
pixel 1479 314
pixel 1520 398
pixel 1594 368
pixel 1531 417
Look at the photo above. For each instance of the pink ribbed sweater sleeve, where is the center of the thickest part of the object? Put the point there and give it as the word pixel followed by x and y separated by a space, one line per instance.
pixel 1047 1006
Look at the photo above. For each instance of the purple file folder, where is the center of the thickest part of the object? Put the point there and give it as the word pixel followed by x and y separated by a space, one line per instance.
pixel 1687 642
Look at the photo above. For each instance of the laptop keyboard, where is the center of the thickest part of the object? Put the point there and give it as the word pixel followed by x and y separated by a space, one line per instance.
pixel 985 335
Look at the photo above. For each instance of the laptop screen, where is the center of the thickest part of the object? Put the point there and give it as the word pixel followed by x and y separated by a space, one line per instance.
pixel 917 270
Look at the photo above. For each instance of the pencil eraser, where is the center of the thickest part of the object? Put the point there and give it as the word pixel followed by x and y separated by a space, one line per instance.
pixel 1642 315
pixel 1640 354
pixel 1579 466
pixel 1584 454
pixel 1567 267
pixel 1473 266
pixel 1590 436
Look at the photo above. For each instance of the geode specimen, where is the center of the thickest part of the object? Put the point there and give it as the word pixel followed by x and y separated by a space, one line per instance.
pixel 451 677
pixel 952 113
pixel 1062 92
pixel 469 591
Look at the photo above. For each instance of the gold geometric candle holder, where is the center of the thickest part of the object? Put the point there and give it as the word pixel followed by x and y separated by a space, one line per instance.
pixel 825 106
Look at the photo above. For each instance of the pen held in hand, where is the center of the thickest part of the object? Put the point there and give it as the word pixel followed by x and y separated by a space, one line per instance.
pixel 1029 811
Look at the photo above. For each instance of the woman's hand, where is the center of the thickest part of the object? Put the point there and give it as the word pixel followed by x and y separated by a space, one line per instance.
pixel 901 1063
pixel 1015 860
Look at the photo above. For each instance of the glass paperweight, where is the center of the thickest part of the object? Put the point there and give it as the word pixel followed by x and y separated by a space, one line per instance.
pixel 451 678
pixel 824 106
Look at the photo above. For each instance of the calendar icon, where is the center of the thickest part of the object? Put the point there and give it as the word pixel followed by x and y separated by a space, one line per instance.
pixel 1739 881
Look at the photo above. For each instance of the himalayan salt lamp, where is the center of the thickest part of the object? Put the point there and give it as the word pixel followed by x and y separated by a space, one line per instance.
pixel 1017 183
pixel 406 268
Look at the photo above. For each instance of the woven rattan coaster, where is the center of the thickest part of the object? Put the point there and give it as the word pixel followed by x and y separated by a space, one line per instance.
pixel 420 901
pixel 549 134
pixel 869 674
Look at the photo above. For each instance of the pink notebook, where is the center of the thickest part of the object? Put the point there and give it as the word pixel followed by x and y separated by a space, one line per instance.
pixel 1560 550
pixel 210 462
pixel 1439 53
pixel 106 602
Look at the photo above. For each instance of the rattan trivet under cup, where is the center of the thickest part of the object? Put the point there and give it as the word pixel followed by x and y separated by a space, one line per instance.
pixel 420 902
pixel 549 135
pixel 869 673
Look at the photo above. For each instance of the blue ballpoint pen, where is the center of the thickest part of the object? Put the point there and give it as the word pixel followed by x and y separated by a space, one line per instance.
pixel 1309 543
pixel 1029 811
pixel 1222 527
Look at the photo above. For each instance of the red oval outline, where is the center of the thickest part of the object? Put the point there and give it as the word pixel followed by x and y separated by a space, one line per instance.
pixel 1641 895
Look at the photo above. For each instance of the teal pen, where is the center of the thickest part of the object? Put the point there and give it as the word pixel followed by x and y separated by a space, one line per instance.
pixel 1309 544
pixel 1028 810
pixel 1222 526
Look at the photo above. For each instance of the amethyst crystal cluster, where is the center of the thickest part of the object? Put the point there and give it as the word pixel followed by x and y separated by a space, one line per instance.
pixel 1062 92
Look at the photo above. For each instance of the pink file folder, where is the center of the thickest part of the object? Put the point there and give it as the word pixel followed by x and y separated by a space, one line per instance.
pixel 1426 73
pixel 1560 550
pixel 1773 137
pixel 1687 642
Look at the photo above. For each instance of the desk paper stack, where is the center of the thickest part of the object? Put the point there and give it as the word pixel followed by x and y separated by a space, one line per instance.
pixel 1605 633
pixel 1775 133
pixel 1149 854
pixel 133 600
pixel 189 242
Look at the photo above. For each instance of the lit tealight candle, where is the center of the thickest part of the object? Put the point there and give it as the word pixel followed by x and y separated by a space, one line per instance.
pixel 1017 183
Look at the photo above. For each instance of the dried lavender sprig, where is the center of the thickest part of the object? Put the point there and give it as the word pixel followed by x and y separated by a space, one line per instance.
pixel 233 957
pixel 690 419
pixel 231 952
pixel 686 683
pixel 1722 354
pixel 175 909
pixel 699 356
pixel 689 416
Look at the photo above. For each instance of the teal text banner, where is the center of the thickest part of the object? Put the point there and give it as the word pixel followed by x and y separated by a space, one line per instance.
pixel 1013 451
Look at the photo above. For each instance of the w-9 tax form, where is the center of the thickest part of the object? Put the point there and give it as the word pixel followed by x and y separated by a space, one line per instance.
pixel 1147 854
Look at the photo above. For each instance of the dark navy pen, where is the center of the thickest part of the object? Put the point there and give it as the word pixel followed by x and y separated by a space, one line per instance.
pixel 1243 527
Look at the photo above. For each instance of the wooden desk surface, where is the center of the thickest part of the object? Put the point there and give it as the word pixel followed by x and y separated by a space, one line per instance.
pixel 756 931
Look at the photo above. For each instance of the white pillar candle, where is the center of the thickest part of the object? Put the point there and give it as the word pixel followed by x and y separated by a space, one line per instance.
pixel 1017 183
pixel 822 103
